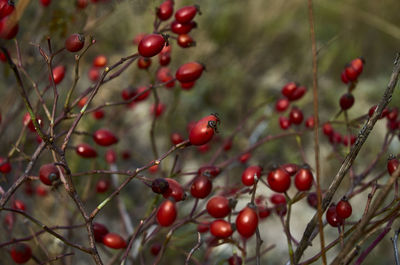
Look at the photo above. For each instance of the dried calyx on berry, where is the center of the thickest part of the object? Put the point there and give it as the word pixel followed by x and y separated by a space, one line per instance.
pixel 160 185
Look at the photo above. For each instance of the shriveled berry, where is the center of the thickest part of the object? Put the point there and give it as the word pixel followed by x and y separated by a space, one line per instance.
pixel 160 185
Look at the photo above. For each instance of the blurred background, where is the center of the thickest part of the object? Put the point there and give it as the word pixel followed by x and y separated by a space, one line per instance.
pixel 251 49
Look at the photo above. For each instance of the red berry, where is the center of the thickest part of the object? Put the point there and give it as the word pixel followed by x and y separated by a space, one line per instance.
pixel 332 218
pixel 142 93
pixel 351 73
pixel 203 148
pixel 5 166
pixel 99 232
pixel 166 213
pixel 346 101
pixel 227 145
pixel 144 62
pixel 310 122
pixel 204 130
pixel 392 165
pixel 58 74
pixel 98 114
pixel 327 129
pixel 20 253
pixel 344 77
pixel 75 42
pixel 151 45
pixel 100 61
pixel 279 180
pixel 290 168
pixel 247 222
pixel 185 41
pixel 48 173
pixel 104 137
pixel 175 190
pixel 371 111
pixel 244 157
pixel 282 104
pixel 82 101
pixel 235 260
pixel 312 199
pixel 358 65
pixel 303 179
pixel 288 89
pixel 27 121
pixel 164 58
pixel 296 116
pixel 8 29
pixel 176 138
pixel 263 212
pixel 111 156
pixel 180 28
pixel 102 185
pixel 159 110
pixel 155 249
pixel 115 241
pixel 126 155
pixel 3 56
pixel 94 74
pixel 81 4
pixel 284 123
pixel 189 72
pixel 209 171
pixel 201 187
pixel 153 169
pixel 186 14
pixel 85 150
pixel 278 199
pixel 349 140
pixel 249 175
pixel 164 76
pixel 45 2
pixel 344 209
pixel 6 8
pixel 297 93
pixel 41 191
pixel 393 114
pixel 165 10
pixel 218 207
pixel 19 205
pixel 221 228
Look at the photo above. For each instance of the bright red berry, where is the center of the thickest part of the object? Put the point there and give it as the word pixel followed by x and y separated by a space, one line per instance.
pixel 104 137
pixel 358 64
pixel 186 14
pixel 165 10
pixel 48 173
pixel 85 150
pixel 332 217
pixel 221 228
pixel 164 58
pixel 157 111
pixel 297 93
pixel 344 209
pixel 185 41
pixel 99 232
pixel 284 123
pixel 20 253
pixel 75 42
pixel 41 191
pixel 249 174
pixel 6 8
pixel 58 74
pixel 189 72
pixel 277 199
pixel 327 129
pixel 244 157
pixel 279 180
pixel 142 93
pixel 166 213
pixel 303 179
pixel 19 205
pixel 247 222
pixel 180 28
pixel 344 77
pixel 346 101
pixel 114 241
pixel 296 116
pixel 204 130
pixel 218 207
pixel 5 166
pixel 282 104
pixel 351 73
pixel 201 187
pixel 151 45
pixel 100 61
pixel 288 89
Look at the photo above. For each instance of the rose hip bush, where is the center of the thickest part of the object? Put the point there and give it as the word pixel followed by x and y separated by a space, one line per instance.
pixel 150 133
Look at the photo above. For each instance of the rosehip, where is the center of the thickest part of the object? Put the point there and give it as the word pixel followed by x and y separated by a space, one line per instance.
pixel 247 222
pixel 165 10
pixel 99 232
pixel 249 175
pixel 303 179
pixel 201 187
pixel 20 253
pixel 221 228
pixel 102 185
pixel 75 42
pixel 48 173
pixel 85 150
pixel 282 104
pixel 115 241
pixel 204 130
pixel 218 207
pixel 151 45
pixel 346 101
pixel 100 61
pixel 104 137
pixel 166 213
pixel 5 166
pixel 186 14
pixel 344 209
pixel 279 180
pixel 58 74
pixel 189 72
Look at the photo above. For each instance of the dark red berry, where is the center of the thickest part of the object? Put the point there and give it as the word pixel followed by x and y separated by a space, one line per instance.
pixel 175 190
pixel 290 168
pixel 303 179
pixel 247 222
pixel 201 187
pixel 8 28
pixel 235 260
pixel 114 241
pixel 209 171
pixel 165 10
pixel 20 253
pixel 332 218
pixel 151 45
pixel 48 173
pixel 279 180
pixel 186 14
pixel 86 151
pixel 282 104
pixel 284 123
pixel 166 213
pixel 288 89
pixel 180 28
pixel 203 227
pixel 81 4
pixel 346 101
pixel 75 42
pixel 327 129
pixel 218 207
pixel 244 157
pixel 297 93
pixel 392 165
pixel 176 138
pixel 98 114
pixel 102 185
pixel 99 232
pixel 312 199
pixel 111 156
pixel 351 73
pixel 249 175
pixel 5 166
pixel 155 249
pixel 296 116
pixel 344 209
pixel 104 137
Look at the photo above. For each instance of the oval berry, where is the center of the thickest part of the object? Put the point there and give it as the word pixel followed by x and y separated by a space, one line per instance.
pixel 180 28
pixel 99 231
pixel 5 166
pixel 166 213
pixel 303 179
pixel 221 229
pixel 102 185
pixel 58 74
pixel 85 150
pixel 75 42
pixel 284 123
pixel 189 72
pixel 48 173
pixel 203 131
pixel 279 180
pixel 8 29
pixel 218 207
pixel 288 89
pixel 165 10
pixel 201 187
pixel 247 222
pixel 296 116
pixel 176 138
pixel 175 190
pixel 332 218
pixel 249 174
pixel 282 104
pixel 104 137
pixel 209 171
pixel 392 165
pixel 21 253
pixel 186 14
pixel 185 41
pixel 346 101
pixel 151 45
pixel 114 241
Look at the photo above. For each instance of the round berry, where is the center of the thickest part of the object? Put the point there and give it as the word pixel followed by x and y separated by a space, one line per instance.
pixel 201 187
pixel 185 41
pixel 100 61
pixel 303 179
pixel 160 185
pixel 284 123
pixel 20 253
pixel 235 260
pixel 75 42
pixel 327 129
pixel 279 180
pixel 144 63
pixel 221 228
pixel 48 173
pixel 5 166
pixel 174 190
pixel 151 45
pixel 45 2
pixel 344 209
pixel 296 116
pixel 166 213
pixel 332 218
pixel 114 241
pixel 290 168
pixel 111 156
pixel 288 89
pixel 102 185
pixel 155 249
pixel 218 207
pixel 58 74
pixel 346 101
pixel 176 138
pixel 310 122
pixel 282 104
pixel 99 232
pixel 8 29
pixel 249 175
